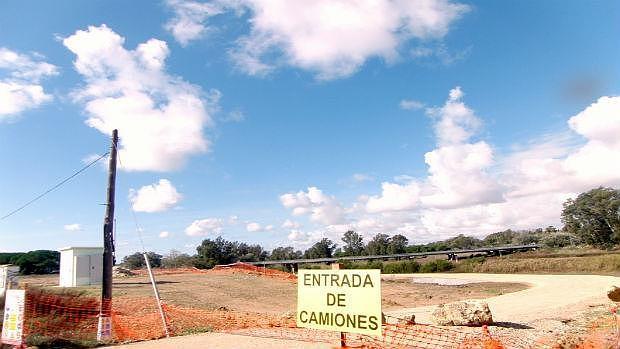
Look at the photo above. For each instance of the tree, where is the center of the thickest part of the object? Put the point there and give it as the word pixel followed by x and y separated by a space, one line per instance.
pixel 284 253
pixel 594 216
pixel 501 238
pixel 398 244
pixel 10 257
pixel 213 252
pixel 176 259
pixel 353 244
pixel 462 242
pixel 136 260
pixel 322 249
pixel 39 262
pixel 249 253
pixel 378 245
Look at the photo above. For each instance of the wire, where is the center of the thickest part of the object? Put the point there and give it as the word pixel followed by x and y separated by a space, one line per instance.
pixel 133 213
pixel 53 188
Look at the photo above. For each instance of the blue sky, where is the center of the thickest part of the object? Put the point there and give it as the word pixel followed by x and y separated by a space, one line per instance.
pixel 281 122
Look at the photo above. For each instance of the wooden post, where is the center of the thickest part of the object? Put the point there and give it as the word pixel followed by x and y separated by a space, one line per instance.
pixel 343 335
pixel 104 329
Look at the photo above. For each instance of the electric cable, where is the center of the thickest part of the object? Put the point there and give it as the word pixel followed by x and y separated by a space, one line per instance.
pixel 54 187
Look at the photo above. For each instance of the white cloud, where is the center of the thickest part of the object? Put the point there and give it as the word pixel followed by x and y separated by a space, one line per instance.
pixel 234 116
pixel 438 53
pixel 160 117
pixel 232 220
pixel 525 189
pixel 322 36
pixel 204 227
pixel 455 121
pixel 362 177
pixel 253 227
pixel 394 197
pixel 189 16
pixel 457 169
pixel 156 197
pixel 20 85
pixel 164 234
pixel 458 176
pixel 289 224
pixel 73 227
pixel 269 227
pixel 596 161
pixel 410 104
pixel 322 208
pixel 470 190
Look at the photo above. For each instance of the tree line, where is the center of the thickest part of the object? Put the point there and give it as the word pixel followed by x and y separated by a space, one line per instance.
pixel 593 218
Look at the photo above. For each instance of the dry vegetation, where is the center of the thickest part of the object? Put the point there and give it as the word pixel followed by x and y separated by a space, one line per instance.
pixel 581 261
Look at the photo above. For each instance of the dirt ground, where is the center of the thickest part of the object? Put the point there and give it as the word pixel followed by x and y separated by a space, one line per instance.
pixel 250 293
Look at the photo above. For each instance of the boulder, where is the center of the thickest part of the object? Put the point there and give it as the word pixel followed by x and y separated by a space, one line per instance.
pixel 466 313
pixel 613 293
pixel 121 272
pixel 407 320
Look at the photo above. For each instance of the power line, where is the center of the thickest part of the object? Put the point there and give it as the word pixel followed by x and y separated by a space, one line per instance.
pixel 133 213
pixel 54 187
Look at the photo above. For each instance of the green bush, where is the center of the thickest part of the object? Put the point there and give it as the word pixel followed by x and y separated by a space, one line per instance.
pixel 436 266
pixel 403 267
pixel 469 265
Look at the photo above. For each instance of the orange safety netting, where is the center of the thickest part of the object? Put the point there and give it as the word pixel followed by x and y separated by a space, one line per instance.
pixel 245 268
pixel 73 317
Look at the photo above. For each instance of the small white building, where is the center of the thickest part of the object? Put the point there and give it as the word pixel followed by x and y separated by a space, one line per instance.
pixel 80 266
pixel 8 277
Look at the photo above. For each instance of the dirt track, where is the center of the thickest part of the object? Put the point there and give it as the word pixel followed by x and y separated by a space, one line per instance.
pixel 550 296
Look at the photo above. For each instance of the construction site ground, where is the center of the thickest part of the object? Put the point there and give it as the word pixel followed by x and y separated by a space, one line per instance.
pixel 252 293
pixel 523 306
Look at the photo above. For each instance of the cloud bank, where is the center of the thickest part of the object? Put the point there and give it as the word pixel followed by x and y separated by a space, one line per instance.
pixel 332 39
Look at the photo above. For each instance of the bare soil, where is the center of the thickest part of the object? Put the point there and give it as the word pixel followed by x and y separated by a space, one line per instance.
pixel 240 292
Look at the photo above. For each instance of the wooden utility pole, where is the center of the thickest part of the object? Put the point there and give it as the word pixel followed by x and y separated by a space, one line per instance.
pixel 104 332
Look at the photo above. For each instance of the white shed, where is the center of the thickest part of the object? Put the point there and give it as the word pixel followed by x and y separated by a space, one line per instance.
pixel 8 277
pixel 80 266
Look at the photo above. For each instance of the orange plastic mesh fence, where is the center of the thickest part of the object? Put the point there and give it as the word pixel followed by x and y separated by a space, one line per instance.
pixel 73 317
pixel 241 267
pixel 60 316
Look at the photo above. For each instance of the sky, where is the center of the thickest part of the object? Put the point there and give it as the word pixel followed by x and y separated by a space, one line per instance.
pixel 281 122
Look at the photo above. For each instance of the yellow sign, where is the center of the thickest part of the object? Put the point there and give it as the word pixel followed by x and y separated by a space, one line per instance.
pixel 340 300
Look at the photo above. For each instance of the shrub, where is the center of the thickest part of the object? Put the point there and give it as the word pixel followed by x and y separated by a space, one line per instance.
pixel 438 265
pixel 559 240
pixel 402 267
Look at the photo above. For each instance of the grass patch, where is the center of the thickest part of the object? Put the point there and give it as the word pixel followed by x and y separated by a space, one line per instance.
pixel 402 267
pixel 194 330
pixel 44 342
pixel 559 263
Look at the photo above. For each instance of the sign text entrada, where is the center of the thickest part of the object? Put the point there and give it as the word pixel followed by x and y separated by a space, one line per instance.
pixel 340 300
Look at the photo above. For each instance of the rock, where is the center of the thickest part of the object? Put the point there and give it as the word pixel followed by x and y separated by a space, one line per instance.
pixel 223 308
pixel 613 293
pixel 466 313
pixel 410 320
pixel 121 272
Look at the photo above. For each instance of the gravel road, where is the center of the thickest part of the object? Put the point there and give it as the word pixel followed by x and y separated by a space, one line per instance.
pixel 548 296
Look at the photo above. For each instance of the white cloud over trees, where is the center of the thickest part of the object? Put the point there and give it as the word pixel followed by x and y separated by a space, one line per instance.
pixel 469 189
